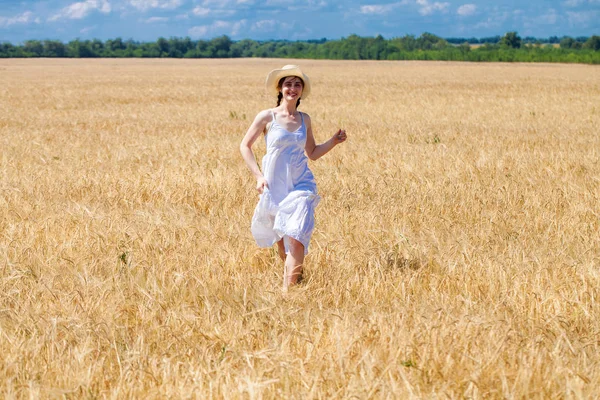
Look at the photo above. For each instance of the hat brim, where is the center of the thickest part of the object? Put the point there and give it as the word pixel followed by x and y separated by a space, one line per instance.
pixel 289 70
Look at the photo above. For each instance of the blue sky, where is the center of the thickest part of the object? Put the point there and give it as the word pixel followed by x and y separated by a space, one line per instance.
pixel 146 20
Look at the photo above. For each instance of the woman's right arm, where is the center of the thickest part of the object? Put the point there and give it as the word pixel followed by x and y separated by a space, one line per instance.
pixel 258 126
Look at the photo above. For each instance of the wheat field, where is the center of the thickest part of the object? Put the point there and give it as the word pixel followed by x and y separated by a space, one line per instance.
pixel 456 252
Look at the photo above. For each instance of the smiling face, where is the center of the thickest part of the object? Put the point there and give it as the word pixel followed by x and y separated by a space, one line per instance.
pixel 291 88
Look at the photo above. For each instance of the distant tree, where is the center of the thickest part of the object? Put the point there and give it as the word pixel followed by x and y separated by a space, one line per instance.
pixel 377 48
pixel 456 40
pixel 566 42
pixel 179 46
pixel 130 48
pixel 428 41
pixel 351 48
pixel 246 47
pixel 6 50
pixel 54 48
pixel 115 44
pixel 553 39
pixel 80 49
pixel 34 48
pixel 221 46
pixel 491 39
pixel 593 43
pixel 464 47
pixel 163 46
pixel 406 43
pixel 150 50
pixel 428 46
pixel 97 46
pixel 203 49
pixel 512 40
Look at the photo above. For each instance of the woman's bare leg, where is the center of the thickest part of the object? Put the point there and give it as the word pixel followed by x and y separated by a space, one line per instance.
pixel 281 250
pixel 293 263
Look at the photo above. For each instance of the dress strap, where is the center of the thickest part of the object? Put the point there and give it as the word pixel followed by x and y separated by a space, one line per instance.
pixel 301 117
pixel 272 122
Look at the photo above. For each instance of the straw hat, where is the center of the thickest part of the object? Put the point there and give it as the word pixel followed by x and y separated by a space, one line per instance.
pixel 287 70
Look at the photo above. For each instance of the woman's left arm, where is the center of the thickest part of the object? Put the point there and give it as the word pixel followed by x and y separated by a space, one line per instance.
pixel 315 151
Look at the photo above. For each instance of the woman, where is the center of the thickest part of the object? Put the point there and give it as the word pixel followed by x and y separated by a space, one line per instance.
pixel 288 192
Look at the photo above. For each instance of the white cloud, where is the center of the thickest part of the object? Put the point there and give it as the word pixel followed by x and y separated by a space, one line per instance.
pixel 143 5
pixel 87 29
pixel 82 9
pixel 381 8
pixel 24 18
pixel 582 18
pixel 205 12
pixel 218 27
pixel 238 26
pixel 277 3
pixel 153 20
pixel 227 3
pixel 428 8
pixel 466 9
pixel 267 25
pixel 375 9
pixel 221 24
pixel 575 3
pixel 494 21
pixel 533 23
pixel 199 31
pixel 549 17
pixel 216 3
pixel 201 11
pixel 305 33
pixel 272 25
pixel 309 5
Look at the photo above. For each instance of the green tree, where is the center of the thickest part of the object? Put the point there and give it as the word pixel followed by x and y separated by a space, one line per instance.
pixel 567 42
pixel 178 47
pixel 428 41
pixel 115 44
pixel 34 48
pixel 407 43
pixel 54 48
pixel 6 50
pixel 150 50
pixel 464 48
pixel 221 46
pixel 97 47
pixel 163 46
pixel 512 40
pixel 593 43
pixel 377 48
pixel 79 49
pixel 243 48
pixel 352 48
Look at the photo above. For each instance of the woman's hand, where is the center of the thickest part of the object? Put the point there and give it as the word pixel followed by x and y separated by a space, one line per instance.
pixel 261 184
pixel 339 137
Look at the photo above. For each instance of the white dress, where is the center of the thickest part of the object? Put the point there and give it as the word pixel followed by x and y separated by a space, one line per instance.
pixel 287 208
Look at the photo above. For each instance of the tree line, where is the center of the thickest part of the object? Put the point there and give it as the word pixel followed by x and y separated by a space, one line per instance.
pixel 510 47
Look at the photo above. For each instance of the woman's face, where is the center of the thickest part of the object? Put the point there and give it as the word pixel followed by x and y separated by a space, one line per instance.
pixel 291 88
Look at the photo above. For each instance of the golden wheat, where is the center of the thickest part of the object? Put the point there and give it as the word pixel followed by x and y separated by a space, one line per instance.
pixel 456 252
